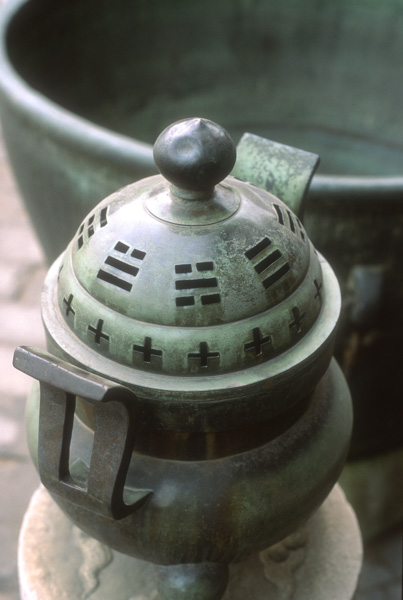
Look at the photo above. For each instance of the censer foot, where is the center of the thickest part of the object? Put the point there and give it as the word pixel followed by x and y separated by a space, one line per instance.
pixel 200 581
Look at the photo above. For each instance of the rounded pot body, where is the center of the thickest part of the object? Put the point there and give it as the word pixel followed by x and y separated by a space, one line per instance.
pixel 221 510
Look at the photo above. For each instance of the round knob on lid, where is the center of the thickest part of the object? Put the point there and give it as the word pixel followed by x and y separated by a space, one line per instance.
pixel 194 155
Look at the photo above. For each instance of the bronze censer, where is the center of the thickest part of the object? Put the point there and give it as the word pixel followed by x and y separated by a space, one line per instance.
pixel 190 410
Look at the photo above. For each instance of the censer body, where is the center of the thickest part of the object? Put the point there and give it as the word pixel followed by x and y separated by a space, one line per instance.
pixel 190 411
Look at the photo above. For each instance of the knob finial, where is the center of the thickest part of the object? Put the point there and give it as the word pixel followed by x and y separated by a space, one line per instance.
pixel 194 155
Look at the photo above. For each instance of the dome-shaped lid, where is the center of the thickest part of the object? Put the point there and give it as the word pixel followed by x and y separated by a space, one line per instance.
pixel 205 275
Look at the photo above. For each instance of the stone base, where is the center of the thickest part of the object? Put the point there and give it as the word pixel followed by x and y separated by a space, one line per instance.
pixel 321 560
pixel 374 488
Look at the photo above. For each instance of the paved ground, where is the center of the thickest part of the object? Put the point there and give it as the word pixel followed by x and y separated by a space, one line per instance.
pixel 21 274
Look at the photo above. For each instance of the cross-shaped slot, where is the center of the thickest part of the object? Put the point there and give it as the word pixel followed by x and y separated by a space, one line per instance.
pixel 147 351
pixel 298 318
pixel 258 342
pixel 69 305
pixel 318 286
pixel 98 334
pixel 204 356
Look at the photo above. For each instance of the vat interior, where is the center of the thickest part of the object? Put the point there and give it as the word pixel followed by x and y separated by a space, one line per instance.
pixel 323 76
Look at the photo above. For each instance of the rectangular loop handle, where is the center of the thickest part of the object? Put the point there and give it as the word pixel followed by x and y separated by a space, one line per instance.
pixel 114 404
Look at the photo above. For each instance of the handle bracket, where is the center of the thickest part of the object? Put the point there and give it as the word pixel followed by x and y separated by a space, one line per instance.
pixel 284 171
pixel 60 384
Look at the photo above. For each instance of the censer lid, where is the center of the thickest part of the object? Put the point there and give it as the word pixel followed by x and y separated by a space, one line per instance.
pixel 192 273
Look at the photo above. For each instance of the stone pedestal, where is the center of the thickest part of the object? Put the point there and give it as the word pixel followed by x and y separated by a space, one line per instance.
pixel 321 560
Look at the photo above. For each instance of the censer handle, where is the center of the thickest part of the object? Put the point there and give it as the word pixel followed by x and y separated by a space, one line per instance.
pixel 284 171
pixel 60 384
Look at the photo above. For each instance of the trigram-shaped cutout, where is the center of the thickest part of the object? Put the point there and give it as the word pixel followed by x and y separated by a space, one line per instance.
pixel 121 266
pixel 87 229
pixel 267 262
pixel 286 218
pixel 194 286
